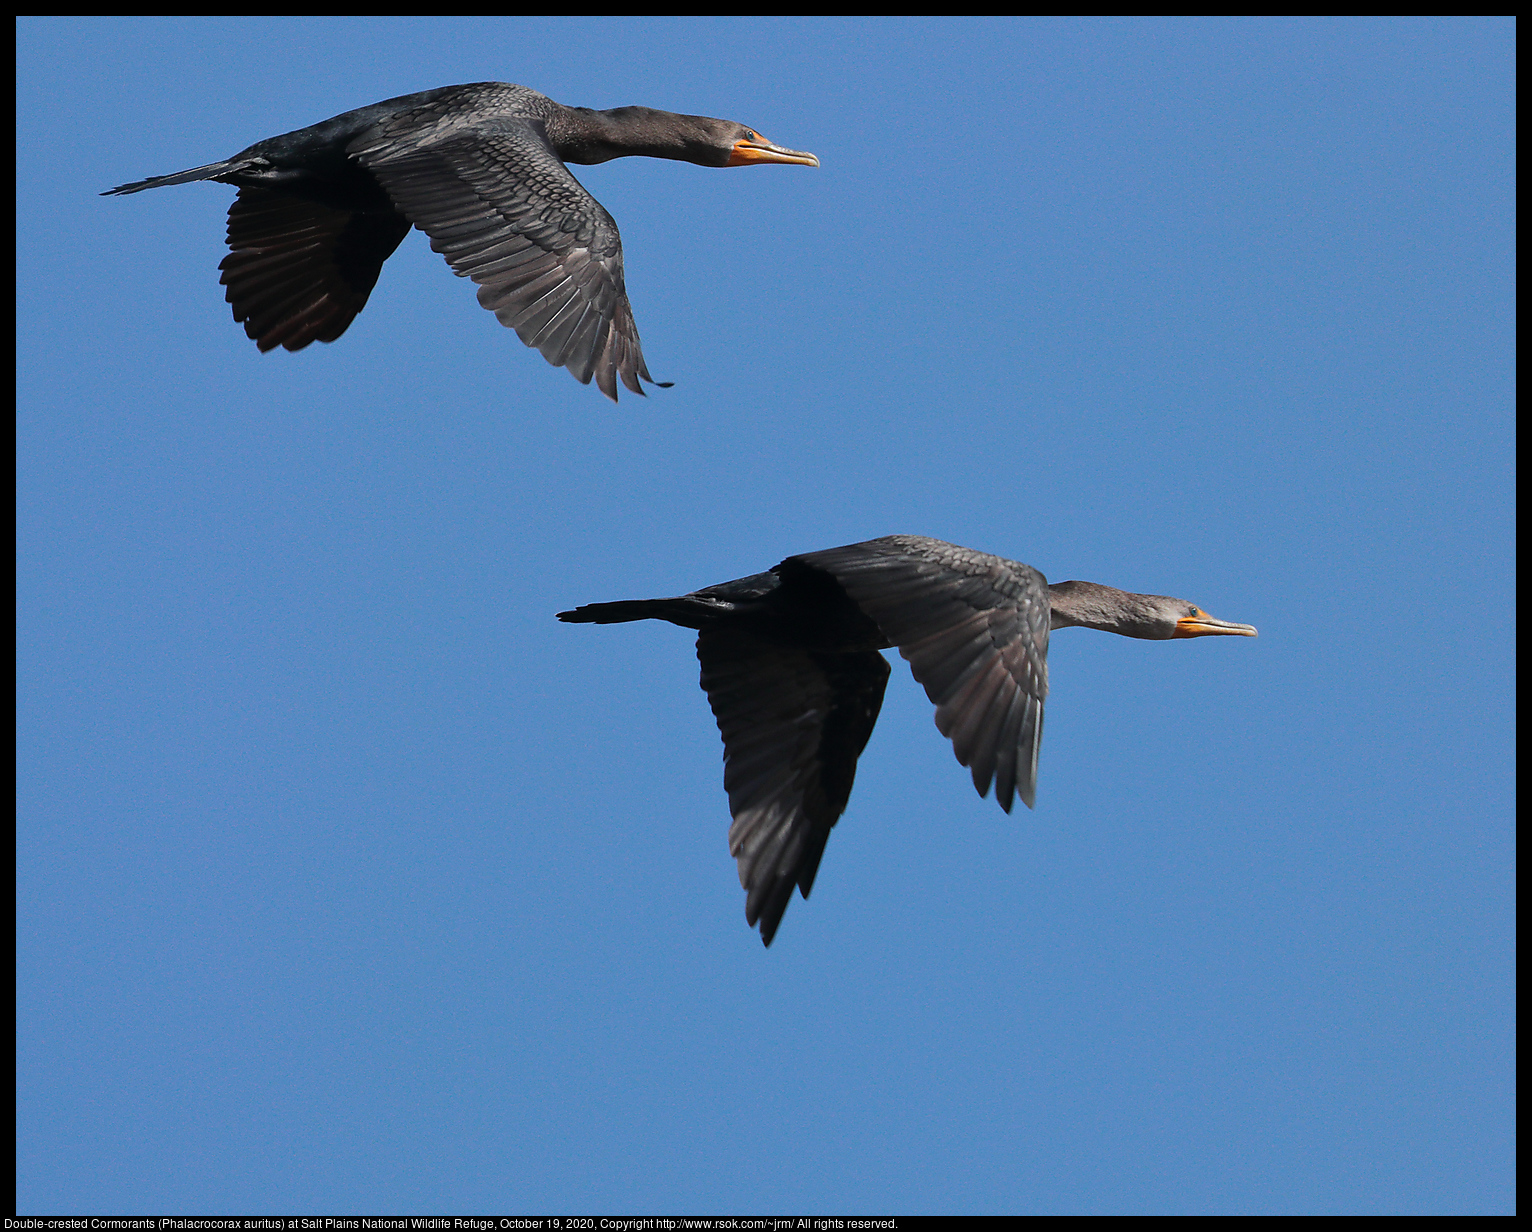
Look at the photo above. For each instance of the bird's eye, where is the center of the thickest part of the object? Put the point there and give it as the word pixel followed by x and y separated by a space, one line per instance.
pixel 751 136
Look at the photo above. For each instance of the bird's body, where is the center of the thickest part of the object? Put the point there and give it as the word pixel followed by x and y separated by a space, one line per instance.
pixel 481 169
pixel 791 667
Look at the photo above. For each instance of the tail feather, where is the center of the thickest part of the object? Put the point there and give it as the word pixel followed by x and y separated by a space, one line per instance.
pixel 210 172
pixel 688 611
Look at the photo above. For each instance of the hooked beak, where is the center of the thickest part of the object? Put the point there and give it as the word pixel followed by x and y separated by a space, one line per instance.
pixel 1200 624
pixel 746 153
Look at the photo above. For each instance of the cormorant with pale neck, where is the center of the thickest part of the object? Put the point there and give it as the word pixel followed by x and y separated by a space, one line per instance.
pixel 791 667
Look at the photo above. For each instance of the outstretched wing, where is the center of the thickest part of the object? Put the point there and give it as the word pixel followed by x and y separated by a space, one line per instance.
pixel 794 724
pixel 974 628
pixel 504 210
pixel 299 271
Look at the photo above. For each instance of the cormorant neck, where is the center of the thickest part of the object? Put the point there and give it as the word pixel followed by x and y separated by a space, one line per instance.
pixel 1103 607
pixel 584 136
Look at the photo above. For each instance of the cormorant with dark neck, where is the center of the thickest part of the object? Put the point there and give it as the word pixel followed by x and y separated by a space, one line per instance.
pixel 480 169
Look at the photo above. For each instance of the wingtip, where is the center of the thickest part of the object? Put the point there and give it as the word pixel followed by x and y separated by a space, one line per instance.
pixel 768 927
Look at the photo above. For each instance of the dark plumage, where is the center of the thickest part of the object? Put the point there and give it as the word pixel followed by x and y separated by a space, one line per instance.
pixel 480 169
pixel 790 664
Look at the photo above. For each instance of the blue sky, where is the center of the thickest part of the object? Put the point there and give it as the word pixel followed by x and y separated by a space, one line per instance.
pixel 350 880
